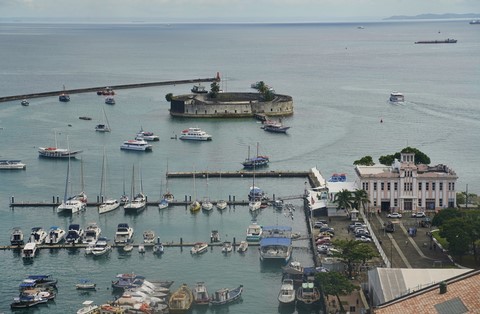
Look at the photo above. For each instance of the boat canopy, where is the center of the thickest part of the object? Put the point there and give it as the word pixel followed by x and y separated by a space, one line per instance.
pixel 276 241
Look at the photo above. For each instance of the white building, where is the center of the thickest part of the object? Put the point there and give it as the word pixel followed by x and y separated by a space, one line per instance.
pixel 407 186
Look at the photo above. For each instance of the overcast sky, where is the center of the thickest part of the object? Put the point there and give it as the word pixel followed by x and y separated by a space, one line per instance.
pixel 228 10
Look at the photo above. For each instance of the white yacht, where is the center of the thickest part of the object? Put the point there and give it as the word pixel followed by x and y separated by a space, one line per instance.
pixel 397 97
pixel 195 134
pixel 108 205
pixel 124 233
pixel 138 145
pixel 74 234
pixel 11 165
pixel 72 205
pixel 254 232
pixel 92 232
pixel 148 236
pixel 29 250
pixel 55 235
pixel 38 235
pixel 101 247
pixel 147 136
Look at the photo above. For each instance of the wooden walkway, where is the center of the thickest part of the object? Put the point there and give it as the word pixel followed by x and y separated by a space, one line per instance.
pixel 95 89
pixel 239 174
pixel 96 204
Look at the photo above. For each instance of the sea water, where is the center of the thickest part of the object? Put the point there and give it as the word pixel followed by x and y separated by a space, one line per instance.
pixel 339 76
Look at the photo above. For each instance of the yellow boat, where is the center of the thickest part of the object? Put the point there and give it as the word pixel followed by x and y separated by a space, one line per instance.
pixel 181 300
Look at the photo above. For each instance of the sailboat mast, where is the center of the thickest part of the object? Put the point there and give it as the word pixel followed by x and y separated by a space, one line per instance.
pixel 66 181
pixel 132 191
pixel 102 181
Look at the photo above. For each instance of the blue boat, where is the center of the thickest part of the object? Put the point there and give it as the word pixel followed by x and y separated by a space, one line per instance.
pixel 256 161
pixel 276 243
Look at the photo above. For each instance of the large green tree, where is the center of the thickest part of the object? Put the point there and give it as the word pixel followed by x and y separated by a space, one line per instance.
pixel 420 157
pixel 351 252
pixel 334 284
pixel 444 215
pixel 364 161
pixel 214 90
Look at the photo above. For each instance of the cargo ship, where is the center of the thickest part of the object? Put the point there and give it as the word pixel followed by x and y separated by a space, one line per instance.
pixel 446 41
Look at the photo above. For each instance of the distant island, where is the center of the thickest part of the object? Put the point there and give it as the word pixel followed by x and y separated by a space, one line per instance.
pixel 430 16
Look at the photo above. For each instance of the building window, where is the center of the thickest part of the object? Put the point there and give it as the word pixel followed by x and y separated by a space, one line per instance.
pixel 420 202
pixel 382 186
pixel 205 111
pixel 374 203
pixel 440 202
pixel 225 111
pixel 215 111
pixel 388 186
pixel 374 186
pixel 433 186
pixel 395 202
pixel 426 186
pixel 365 186
pixel 440 186
pixel 404 186
pixel 453 186
pixel 419 186
pixel 395 186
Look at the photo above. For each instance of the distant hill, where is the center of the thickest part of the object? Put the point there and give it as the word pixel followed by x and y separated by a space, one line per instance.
pixel 429 16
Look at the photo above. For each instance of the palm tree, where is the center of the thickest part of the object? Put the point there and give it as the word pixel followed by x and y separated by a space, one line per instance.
pixel 360 199
pixel 343 199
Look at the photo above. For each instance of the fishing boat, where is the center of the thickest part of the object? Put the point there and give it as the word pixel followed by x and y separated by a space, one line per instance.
pixel 226 296
pixel 255 161
pixel 109 100
pixel 136 145
pixel 445 41
pixel 227 247
pixel 127 281
pixel 37 235
pixel 199 248
pixel 195 134
pixel 147 136
pixel 214 236
pixel 286 296
pixel 275 127
pixel 243 247
pixel 92 233
pixel 104 126
pixel 181 300
pixel 29 251
pixel 12 165
pixel 138 201
pixel 88 308
pixel 56 152
pixel 55 235
pixel 124 234
pixel 148 236
pixel 85 284
pixel 198 89
pixel 39 281
pixel 200 294
pixel 64 97
pixel 158 247
pixel 16 237
pixel 27 302
pixel 25 103
pixel 396 97
pixel 74 234
pixel 307 294
pixel 254 232
pixel 276 243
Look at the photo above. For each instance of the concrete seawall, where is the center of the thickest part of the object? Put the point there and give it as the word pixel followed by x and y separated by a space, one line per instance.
pixel 95 89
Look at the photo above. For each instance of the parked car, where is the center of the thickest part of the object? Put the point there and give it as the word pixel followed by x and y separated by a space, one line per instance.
pixel 363 239
pixel 327 229
pixel 394 215
pixel 319 224
pixel 357 224
pixel 322 249
pixel 389 227
pixel 324 240
pixel 419 215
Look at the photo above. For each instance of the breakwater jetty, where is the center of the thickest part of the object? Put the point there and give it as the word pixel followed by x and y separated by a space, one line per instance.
pixel 95 89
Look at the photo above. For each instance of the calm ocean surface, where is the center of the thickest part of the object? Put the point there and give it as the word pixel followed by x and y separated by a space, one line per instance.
pixel 340 78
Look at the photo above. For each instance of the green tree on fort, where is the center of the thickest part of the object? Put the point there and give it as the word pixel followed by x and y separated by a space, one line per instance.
pixel 169 97
pixel 334 284
pixel 364 161
pixel 214 90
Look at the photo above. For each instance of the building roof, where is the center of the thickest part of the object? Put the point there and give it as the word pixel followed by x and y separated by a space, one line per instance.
pixel 461 296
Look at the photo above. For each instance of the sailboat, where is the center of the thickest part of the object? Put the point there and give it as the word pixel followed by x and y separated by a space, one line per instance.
pixel 221 204
pixel 56 152
pixel 105 125
pixel 108 204
pixel 124 198
pixel 253 197
pixel 256 161
pixel 75 203
pixel 206 203
pixel 138 202
pixel 163 203
pixel 168 196
pixel 195 206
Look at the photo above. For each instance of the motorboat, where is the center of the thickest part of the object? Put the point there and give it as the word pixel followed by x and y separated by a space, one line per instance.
pixel 85 284
pixel 88 308
pixel 286 296
pixel 225 295
pixel 64 97
pixel 37 235
pixel 127 247
pixel 199 248
pixel 29 250
pixel 55 235
pixel 27 302
pixel 397 97
pixel 12 165
pixel 200 294
pixel 163 203
pixel 106 91
pixel 227 247
pixel 39 281
pixel 102 247
pixel 198 89
pixel 92 233
pixel 254 232
pixel 141 248
pixel 136 145
pixel 74 234
pixel 124 233
pixel 148 236
pixel 38 292
pixel 243 247
pixel 221 204
pixel 195 134
pixel 214 236
pixel 158 247
pixel 25 103
pixel 127 281
pixel 16 237
pixel 109 100
pixel 147 136
pixel 195 206
pixel 307 294
pixel 276 243
pixel 86 118
pixel 254 205
pixel 275 127
pixel 137 204
pixel 181 300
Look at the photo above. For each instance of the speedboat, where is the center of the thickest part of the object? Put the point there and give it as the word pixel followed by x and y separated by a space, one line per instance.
pixel 199 89
pixel 101 247
pixel 137 145
pixel 148 236
pixel 38 235
pixel 141 248
pixel 29 250
pixel 147 136
pixel 25 102
pixel 225 295
pixel 396 97
pixel 85 284
pixel 200 294
pixel 11 165
pixel 16 238
pixel 74 234
pixel 55 235
pixel 64 97
pixel 243 247
pixel 109 100
pixel 286 296
pixel 199 248
pixel 27 302
pixel 214 236
pixel 163 203
pixel 124 233
pixel 227 247
pixel 195 134
pixel 158 247
pixel 254 205
pixel 92 232
pixel 254 232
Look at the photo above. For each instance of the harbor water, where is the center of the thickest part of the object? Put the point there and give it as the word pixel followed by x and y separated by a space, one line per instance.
pixel 340 78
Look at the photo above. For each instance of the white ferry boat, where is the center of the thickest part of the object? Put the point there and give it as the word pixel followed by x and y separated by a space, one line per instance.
pixel 397 97
pixel 11 165
pixel 195 134
pixel 139 145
